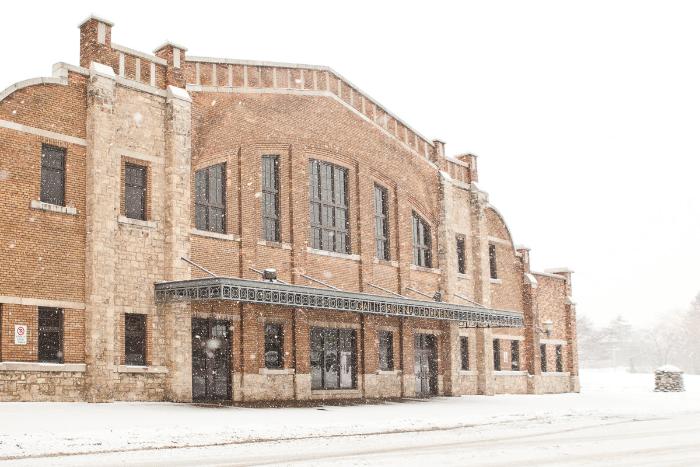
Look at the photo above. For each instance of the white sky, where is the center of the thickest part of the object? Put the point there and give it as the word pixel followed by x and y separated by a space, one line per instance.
pixel 585 115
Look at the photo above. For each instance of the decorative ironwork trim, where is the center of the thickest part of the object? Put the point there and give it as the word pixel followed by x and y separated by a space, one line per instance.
pixel 274 293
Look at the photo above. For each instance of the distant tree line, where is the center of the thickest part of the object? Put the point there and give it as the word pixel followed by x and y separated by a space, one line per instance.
pixel 673 340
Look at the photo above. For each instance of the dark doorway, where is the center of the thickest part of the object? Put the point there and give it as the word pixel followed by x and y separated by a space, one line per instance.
pixel 211 360
pixel 425 349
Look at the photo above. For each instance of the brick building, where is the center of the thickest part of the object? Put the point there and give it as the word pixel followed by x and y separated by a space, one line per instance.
pixel 146 198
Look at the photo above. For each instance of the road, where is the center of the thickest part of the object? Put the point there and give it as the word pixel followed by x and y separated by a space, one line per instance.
pixel 668 441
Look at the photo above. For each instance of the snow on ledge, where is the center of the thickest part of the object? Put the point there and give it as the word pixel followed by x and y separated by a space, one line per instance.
pixel 669 369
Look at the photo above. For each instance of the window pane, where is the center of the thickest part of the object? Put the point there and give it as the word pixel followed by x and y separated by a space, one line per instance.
pixel 496 355
pixel 210 198
pixel 515 355
pixel 50 345
pixel 273 346
pixel 328 207
pixel 543 358
pixel 135 339
pixel 464 352
pixel 492 261
pixel 53 175
pixel 386 351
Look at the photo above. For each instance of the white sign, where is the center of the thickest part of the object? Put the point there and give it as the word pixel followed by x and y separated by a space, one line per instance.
pixel 20 334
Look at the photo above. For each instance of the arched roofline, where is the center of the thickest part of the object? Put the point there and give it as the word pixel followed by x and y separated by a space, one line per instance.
pixel 500 216
pixel 60 77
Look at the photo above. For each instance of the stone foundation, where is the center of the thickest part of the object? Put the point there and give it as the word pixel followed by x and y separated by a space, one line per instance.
pixel 40 386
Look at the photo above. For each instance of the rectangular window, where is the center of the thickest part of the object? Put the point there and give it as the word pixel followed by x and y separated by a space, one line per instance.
pixel 422 254
pixel 464 352
pixel 333 358
pixel 515 355
pixel 559 358
pixel 492 261
pixel 53 175
pixel 274 346
pixel 210 198
pixel 135 191
pixel 270 199
pixel 386 350
pixel 328 207
pixel 496 355
pixel 381 222
pixel 135 339
pixel 543 358
pixel 50 335
pixel 461 255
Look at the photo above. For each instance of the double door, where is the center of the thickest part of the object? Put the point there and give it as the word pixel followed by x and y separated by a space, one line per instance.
pixel 426 369
pixel 211 360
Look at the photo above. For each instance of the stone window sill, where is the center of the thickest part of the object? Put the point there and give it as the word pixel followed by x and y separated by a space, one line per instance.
pixel 333 254
pixel 36 204
pixel 333 392
pixel 385 262
pixel 141 369
pixel 424 269
pixel 555 373
pixel 220 236
pixel 276 371
pixel 281 245
pixel 467 373
pixel 389 372
pixel 510 373
pixel 136 222
pixel 495 281
pixel 462 276
pixel 38 366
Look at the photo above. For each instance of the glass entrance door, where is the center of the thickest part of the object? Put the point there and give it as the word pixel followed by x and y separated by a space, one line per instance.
pixel 211 360
pixel 425 368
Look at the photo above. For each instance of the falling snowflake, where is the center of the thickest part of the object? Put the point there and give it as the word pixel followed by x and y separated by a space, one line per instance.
pixel 138 118
pixel 4 175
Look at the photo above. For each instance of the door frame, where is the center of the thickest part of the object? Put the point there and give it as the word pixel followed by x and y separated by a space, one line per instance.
pixel 210 322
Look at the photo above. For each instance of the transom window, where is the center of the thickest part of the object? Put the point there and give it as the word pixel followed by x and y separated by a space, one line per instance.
pixel 386 350
pixel 50 335
pixel 381 222
pixel 270 199
pixel 329 207
pixel 422 255
pixel 134 339
pixel 333 358
pixel 135 191
pixel 53 175
pixel 274 346
pixel 210 198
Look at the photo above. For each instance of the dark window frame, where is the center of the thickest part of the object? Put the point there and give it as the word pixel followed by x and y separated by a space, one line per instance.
pixel 496 355
pixel 206 209
pixel 322 340
pixel 464 352
pixel 47 331
pixel 493 264
pixel 328 202
pixel 381 222
pixel 422 242
pixel 270 208
pixel 543 358
pixel 559 358
pixel 135 339
pixel 461 244
pixel 274 342
pixel 386 350
pixel 515 355
pixel 133 188
pixel 52 173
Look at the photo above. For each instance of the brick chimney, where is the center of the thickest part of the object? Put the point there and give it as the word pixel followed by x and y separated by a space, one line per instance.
pixel 175 56
pixel 95 41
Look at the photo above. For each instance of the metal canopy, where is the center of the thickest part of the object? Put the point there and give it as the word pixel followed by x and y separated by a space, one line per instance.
pixel 275 293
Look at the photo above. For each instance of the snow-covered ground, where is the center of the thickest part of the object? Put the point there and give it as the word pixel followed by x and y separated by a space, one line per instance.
pixel 617 419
